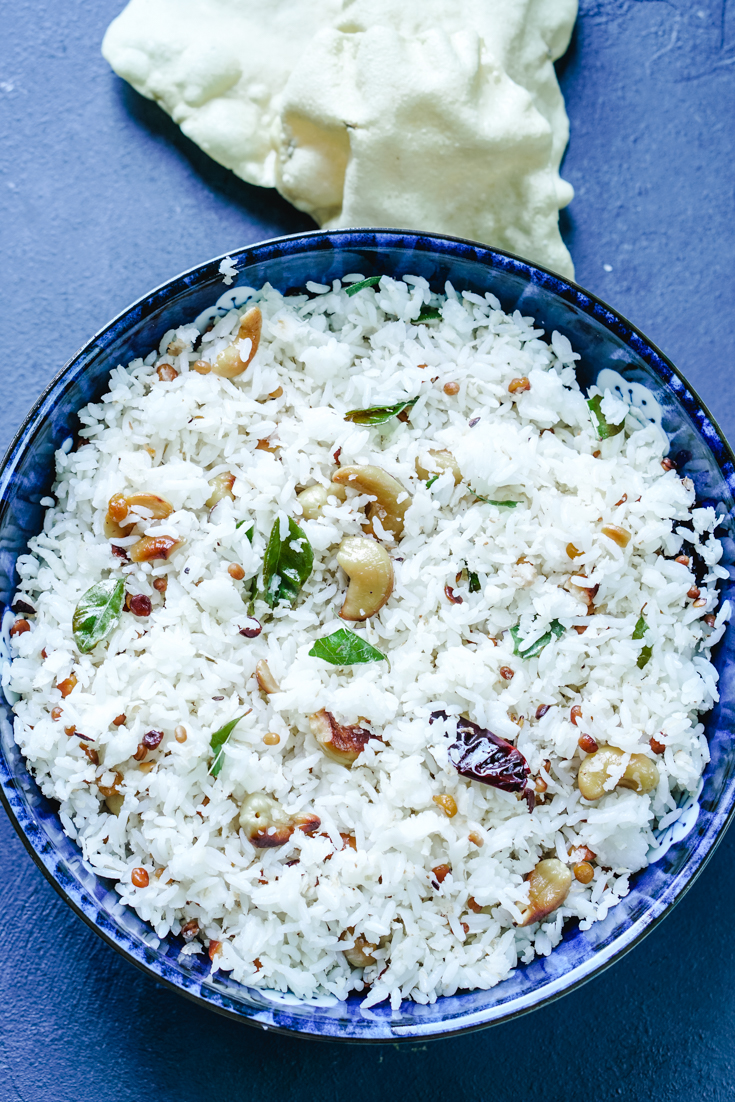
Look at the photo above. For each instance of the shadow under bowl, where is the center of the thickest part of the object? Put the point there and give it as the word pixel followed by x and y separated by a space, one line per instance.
pixel 606 342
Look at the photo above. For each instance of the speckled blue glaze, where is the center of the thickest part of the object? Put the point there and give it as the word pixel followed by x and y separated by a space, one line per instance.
pixel 605 340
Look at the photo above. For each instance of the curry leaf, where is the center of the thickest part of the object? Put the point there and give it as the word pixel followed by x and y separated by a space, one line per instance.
pixel 555 629
pixel 430 482
pixel 250 532
pixel 378 415
pixel 427 313
pixel 640 629
pixel 604 428
pixel 644 657
pixel 97 613
pixel 475 586
pixel 287 564
pixel 638 633
pixel 491 501
pixel 218 740
pixel 344 648
pixel 371 281
pixel 250 592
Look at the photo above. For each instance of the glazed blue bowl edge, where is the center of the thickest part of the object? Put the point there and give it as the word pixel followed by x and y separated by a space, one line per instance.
pixel 606 341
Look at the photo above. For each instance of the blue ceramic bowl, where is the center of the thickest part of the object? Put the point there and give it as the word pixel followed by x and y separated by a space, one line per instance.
pixel 606 342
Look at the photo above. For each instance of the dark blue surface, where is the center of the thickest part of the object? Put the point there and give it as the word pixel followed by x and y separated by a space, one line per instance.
pixel 107 199
pixel 605 341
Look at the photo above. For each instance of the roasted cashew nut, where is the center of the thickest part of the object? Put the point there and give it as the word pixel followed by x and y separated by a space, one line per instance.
pixel 266 824
pixel 115 802
pixel 361 954
pixel 230 363
pixel 524 574
pixel 266 681
pixel 221 487
pixel 341 743
pixel 157 506
pixel 370 570
pixel 387 489
pixel 313 499
pixel 548 887
pixel 440 461
pixel 640 773
pixel 149 548
pixel 118 519
pixel 259 813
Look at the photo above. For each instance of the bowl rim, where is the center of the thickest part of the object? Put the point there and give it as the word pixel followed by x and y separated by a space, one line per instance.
pixel 366 238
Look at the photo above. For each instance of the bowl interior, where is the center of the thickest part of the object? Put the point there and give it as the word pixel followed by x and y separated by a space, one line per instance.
pixel 607 343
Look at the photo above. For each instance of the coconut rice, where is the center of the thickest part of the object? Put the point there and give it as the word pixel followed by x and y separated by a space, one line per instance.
pixel 432 896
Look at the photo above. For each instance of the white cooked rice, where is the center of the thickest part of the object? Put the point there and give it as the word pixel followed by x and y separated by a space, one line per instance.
pixel 280 922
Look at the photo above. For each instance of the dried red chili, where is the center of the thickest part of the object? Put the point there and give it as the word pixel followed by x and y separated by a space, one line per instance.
pixel 479 754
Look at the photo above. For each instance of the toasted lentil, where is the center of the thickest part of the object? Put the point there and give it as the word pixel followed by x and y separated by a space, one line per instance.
pixel 447 803
pixel 620 536
pixel 581 853
pixel 583 872
pixel 190 930
pixel 68 685
pixel 440 873
pixel 111 789
pixel 139 878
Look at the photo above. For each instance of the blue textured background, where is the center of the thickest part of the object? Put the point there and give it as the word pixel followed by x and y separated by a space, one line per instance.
pixel 100 199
